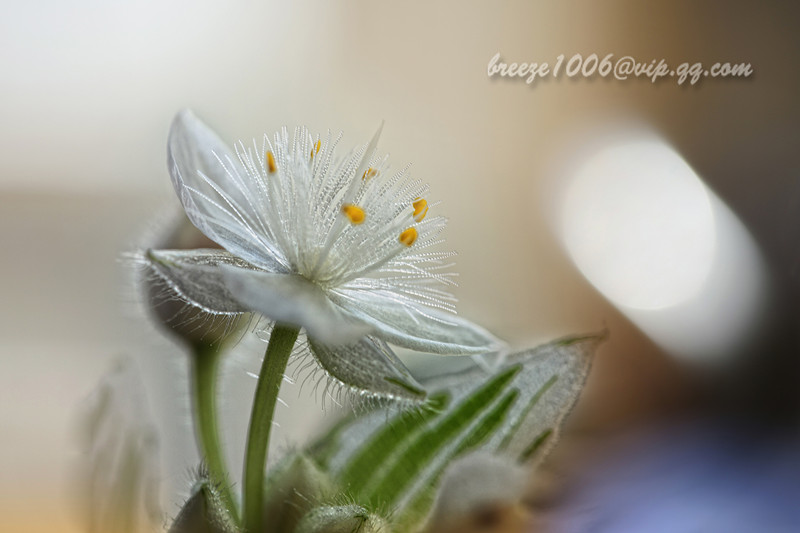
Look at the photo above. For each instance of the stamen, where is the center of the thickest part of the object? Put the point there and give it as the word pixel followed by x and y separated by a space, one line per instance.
pixel 420 209
pixel 354 214
pixel 408 236
pixel 271 166
pixel 315 150
pixel 369 173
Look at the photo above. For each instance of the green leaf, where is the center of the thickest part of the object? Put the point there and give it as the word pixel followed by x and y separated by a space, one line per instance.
pixel 385 441
pixel 410 463
pixel 394 461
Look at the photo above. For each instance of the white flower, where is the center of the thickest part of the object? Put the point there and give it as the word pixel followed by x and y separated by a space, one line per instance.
pixel 335 246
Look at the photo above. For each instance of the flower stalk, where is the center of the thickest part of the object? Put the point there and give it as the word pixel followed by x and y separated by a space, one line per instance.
pixel 279 349
pixel 205 378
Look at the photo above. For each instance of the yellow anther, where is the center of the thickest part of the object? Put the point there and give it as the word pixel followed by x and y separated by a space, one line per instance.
pixel 315 150
pixel 369 173
pixel 408 236
pixel 420 209
pixel 354 214
pixel 271 166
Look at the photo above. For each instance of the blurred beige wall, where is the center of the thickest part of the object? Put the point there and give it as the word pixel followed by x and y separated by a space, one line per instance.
pixel 88 90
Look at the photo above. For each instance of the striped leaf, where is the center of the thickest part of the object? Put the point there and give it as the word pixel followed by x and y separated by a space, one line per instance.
pixel 393 461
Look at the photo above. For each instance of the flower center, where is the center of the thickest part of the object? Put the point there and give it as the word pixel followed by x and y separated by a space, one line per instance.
pixel 316 209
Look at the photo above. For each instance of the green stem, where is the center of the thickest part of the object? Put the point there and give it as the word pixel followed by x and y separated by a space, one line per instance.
pixel 279 349
pixel 206 365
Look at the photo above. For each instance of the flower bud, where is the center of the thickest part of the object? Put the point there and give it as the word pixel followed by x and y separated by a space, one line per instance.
pixel 341 519
pixel 204 512
pixel 297 485
pixel 188 323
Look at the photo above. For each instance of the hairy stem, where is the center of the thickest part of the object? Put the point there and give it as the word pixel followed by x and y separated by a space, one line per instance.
pixel 206 365
pixel 279 349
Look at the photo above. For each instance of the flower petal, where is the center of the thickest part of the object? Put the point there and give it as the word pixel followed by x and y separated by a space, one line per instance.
pixel 368 365
pixel 293 300
pixel 218 193
pixel 427 330
pixel 195 276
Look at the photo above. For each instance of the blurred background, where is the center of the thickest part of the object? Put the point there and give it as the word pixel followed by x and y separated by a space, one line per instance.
pixel 668 214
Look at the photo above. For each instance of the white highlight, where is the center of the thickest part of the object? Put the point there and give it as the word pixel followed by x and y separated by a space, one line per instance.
pixel 652 238
pixel 639 225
